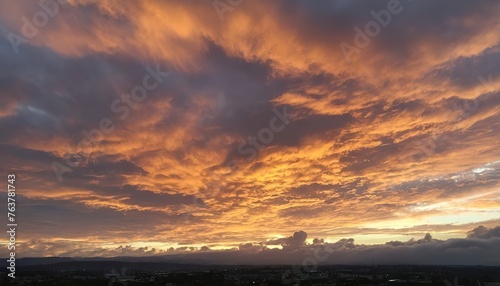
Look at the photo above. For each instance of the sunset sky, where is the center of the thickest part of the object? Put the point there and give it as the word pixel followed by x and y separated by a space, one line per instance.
pixel 252 127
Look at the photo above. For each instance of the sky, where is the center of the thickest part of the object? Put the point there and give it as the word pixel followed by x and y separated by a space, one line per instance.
pixel 234 131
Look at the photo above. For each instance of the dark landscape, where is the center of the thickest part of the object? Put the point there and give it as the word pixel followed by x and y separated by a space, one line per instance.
pixel 107 272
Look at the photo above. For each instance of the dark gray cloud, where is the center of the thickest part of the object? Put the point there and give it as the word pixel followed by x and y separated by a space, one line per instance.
pixel 296 241
pixel 484 233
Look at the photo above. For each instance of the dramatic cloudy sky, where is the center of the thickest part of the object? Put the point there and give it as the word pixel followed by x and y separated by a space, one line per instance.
pixel 382 133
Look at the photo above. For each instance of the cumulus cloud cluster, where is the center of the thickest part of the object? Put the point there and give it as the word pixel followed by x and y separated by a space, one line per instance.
pixel 466 251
